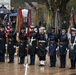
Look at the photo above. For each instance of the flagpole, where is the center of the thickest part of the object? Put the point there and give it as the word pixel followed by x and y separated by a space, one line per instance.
pixel 29 22
pixel 6 33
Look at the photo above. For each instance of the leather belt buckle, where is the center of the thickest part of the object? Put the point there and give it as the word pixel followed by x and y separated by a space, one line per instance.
pixel 30 44
pixel 40 44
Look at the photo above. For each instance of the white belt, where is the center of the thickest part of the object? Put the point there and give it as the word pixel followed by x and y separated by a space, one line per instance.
pixel 34 39
pixel 42 41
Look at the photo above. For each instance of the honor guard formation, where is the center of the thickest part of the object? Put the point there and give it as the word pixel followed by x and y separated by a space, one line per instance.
pixel 38 43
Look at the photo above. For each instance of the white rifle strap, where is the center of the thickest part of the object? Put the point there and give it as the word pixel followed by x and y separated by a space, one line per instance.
pixel 46 36
pixel 74 41
pixel 31 39
pixel 69 37
pixel 17 36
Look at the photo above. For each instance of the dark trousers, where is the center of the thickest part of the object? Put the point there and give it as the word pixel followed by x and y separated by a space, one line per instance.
pixel 2 57
pixel 42 58
pixel 73 61
pixel 11 57
pixel 22 58
pixel 62 61
pixel 32 59
pixel 53 60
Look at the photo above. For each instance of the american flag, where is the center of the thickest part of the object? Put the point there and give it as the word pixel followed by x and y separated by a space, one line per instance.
pixel 7 24
pixel 7 28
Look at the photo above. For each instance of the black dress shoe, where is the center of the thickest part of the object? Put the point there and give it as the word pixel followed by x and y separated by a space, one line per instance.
pixel 31 64
pixel 9 62
pixel 61 67
pixel 20 63
pixel 72 67
pixel 41 65
pixel 2 61
pixel 52 66
pixel 12 61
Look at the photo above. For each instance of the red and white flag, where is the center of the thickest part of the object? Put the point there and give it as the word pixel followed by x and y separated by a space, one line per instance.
pixel 7 28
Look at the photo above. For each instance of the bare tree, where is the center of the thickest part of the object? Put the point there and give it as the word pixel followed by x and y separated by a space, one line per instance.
pixel 57 5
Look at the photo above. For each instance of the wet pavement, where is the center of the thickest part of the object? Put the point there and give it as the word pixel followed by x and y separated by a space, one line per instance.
pixel 16 69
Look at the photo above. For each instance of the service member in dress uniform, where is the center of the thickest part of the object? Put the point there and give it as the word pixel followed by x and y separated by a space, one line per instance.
pixel 63 44
pixel 52 46
pixel 42 44
pixel 72 48
pixel 32 45
pixel 22 45
pixel 2 44
pixel 11 44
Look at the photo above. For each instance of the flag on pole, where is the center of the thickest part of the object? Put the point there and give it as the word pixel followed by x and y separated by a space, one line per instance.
pixel 20 18
pixel 37 17
pixel 24 14
pixel 7 23
pixel 48 22
pixel 56 22
pixel 17 22
pixel 72 17
pixel 72 20
pixel 7 28
pixel 29 22
pixel 75 22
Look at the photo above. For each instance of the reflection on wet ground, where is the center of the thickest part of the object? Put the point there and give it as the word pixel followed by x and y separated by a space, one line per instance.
pixel 16 69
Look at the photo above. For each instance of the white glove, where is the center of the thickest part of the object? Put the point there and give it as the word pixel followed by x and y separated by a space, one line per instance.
pixel 17 46
pixel 67 49
pixel 47 48
pixel 6 45
pixel 36 47
pixel 14 46
pixel 57 48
